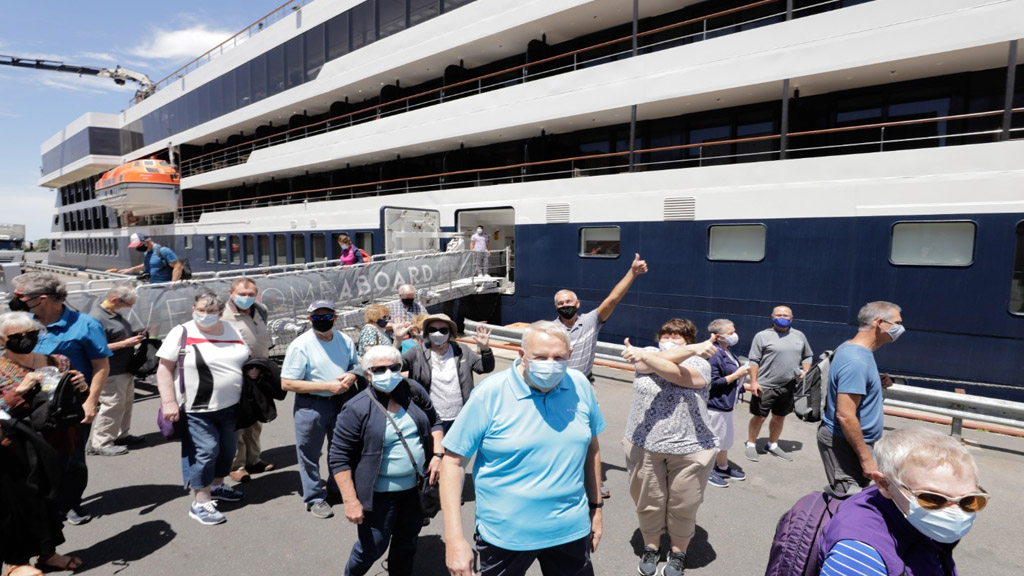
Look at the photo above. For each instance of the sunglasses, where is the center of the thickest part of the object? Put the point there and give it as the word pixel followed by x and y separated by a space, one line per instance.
pixel 319 317
pixel 442 330
pixel 30 334
pixel 970 503
pixel 378 370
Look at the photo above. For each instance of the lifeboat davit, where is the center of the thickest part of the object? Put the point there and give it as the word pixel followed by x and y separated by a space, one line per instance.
pixel 141 187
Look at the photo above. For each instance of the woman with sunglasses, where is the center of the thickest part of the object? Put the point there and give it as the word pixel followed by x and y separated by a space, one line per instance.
pixel 925 500
pixel 33 516
pixel 378 436
pixel 374 332
pixel 445 367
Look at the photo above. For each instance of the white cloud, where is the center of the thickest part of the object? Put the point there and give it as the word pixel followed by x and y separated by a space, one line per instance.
pixel 87 84
pixel 95 58
pixel 184 44
pixel 33 207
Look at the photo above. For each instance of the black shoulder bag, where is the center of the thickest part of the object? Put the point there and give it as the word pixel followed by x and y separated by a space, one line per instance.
pixel 429 494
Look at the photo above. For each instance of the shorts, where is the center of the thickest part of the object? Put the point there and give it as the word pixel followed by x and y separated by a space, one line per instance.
pixel 777 400
pixel 721 424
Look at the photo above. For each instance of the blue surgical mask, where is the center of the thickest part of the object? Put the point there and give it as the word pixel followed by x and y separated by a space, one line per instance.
pixel 386 382
pixel 544 375
pixel 782 322
pixel 946 525
pixel 205 320
pixel 243 302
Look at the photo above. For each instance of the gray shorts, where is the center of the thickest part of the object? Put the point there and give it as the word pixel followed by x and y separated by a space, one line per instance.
pixel 842 465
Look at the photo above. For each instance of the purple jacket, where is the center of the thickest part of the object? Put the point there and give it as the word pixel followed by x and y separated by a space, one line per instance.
pixel 721 394
pixel 876 521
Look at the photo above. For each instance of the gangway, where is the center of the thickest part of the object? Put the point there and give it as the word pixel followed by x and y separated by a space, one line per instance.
pixel 287 291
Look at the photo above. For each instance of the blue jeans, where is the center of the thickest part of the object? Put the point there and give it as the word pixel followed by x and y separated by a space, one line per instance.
pixel 569 559
pixel 209 447
pixel 315 417
pixel 396 520
pixel 76 474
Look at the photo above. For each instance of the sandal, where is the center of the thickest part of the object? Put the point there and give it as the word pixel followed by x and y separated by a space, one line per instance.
pixel 22 570
pixel 58 563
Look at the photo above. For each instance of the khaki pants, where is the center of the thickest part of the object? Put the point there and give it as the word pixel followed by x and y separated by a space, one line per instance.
pixel 115 411
pixel 248 450
pixel 667 490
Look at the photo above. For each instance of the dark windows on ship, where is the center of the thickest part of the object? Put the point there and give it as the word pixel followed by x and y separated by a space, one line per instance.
pixel 1017 282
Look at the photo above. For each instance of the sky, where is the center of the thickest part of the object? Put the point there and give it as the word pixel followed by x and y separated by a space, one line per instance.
pixel 155 38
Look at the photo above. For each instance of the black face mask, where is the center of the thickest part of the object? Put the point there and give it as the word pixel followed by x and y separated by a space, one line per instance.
pixel 23 343
pixel 323 326
pixel 141 248
pixel 408 301
pixel 567 312
pixel 18 305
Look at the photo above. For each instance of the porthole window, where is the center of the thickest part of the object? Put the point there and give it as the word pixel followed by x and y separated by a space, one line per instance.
pixel 737 242
pixel 933 243
pixel 599 242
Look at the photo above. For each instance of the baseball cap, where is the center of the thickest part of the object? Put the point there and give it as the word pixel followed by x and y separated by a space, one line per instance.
pixel 136 239
pixel 318 304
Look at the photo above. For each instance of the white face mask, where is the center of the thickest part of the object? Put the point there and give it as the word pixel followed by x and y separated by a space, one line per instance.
pixel 895 331
pixel 731 339
pixel 946 525
pixel 544 375
pixel 667 345
pixel 479 230
pixel 437 338
pixel 204 320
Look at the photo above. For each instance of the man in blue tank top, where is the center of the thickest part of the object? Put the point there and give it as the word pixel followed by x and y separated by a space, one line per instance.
pixel 852 421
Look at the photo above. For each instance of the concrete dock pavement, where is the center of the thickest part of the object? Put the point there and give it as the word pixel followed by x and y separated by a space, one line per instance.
pixel 141 523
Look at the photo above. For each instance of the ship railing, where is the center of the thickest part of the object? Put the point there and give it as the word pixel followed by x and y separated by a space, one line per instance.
pixel 872 137
pixel 648 41
pixel 958 406
pixel 226 46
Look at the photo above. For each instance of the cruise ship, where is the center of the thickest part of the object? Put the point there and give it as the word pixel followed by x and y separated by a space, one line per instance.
pixel 814 153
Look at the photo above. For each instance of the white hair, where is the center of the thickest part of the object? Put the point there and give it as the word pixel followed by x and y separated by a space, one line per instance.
pixel 380 352
pixel 719 325
pixel 569 292
pixel 873 311
pixel 123 292
pixel 19 320
pixel 553 329
pixel 924 449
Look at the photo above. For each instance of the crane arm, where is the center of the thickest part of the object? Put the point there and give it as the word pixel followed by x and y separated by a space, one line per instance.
pixel 118 74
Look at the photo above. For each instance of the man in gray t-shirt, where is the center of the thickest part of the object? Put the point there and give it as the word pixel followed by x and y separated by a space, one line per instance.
pixel 779 357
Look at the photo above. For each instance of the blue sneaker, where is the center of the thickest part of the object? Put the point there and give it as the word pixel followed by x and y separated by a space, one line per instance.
pixel 731 473
pixel 717 481
pixel 206 513
pixel 225 493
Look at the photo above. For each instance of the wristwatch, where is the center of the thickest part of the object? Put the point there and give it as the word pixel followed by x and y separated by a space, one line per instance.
pixel 439 454
pixel 594 506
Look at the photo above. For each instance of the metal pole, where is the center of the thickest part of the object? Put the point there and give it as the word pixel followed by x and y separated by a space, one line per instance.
pixel 1011 77
pixel 632 109
pixel 789 10
pixel 784 123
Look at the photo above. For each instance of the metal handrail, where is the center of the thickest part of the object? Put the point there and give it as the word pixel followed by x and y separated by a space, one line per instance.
pixel 263 200
pixel 235 152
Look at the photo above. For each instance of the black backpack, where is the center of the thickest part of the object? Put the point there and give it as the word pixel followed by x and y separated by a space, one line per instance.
pixel 63 410
pixel 144 360
pixel 808 397
pixel 186 268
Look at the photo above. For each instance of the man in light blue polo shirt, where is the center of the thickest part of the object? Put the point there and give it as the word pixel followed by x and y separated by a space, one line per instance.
pixel 533 429
pixel 317 368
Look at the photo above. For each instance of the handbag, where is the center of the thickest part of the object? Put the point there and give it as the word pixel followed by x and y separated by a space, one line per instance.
pixel 175 430
pixel 429 495
pixel 62 410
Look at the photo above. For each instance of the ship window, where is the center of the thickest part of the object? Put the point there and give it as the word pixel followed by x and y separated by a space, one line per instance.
pixel 275 70
pixel 1017 282
pixel 258 73
pixel 599 242
pixel 392 16
pixel 187 242
pixel 264 243
pixel 314 51
pixel 247 248
pixel 298 249
pixel 222 249
pixel 318 244
pixel 450 5
pixel 211 249
pixel 280 249
pixel 364 241
pixel 932 243
pixel 738 243
pixel 294 62
pixel 236 258
pixel 337 36
pixel 421 10
pixel 364 29
pixel 243 89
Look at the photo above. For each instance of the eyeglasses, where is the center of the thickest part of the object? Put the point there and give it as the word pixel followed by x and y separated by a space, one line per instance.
pixel 29 333
pixel 378 370
pixel 441 330
pixel 970 503
pixel 320 317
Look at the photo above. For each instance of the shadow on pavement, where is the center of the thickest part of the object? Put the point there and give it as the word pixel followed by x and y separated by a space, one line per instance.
pixel 146 497
pixel 698 555
pixel 269 486
pixel 116 553
pixel 430 555
pixel 283 457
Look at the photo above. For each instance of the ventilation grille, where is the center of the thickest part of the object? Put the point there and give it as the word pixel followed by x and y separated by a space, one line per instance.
pixel 558 212
pixel 684 208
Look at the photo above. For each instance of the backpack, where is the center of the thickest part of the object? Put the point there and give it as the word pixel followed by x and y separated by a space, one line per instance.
pixel 366 257
pixel 186 268
pixel 62 410
pixel 807 397
pixel 144 360
pixel 795 546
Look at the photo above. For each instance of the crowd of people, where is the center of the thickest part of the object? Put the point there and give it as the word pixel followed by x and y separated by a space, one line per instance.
pixel 398 411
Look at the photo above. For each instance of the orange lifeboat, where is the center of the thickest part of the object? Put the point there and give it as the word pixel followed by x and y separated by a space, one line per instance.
pixel 141 187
